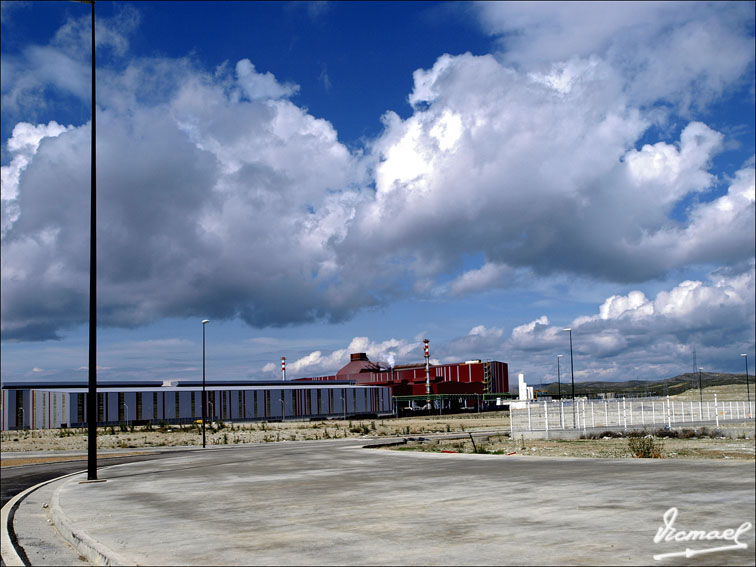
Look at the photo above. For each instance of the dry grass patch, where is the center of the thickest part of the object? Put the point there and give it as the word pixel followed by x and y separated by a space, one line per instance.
pixel 612 448
pixel 120 437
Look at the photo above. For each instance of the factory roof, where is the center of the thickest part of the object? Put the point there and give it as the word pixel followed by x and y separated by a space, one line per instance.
pixel 359 363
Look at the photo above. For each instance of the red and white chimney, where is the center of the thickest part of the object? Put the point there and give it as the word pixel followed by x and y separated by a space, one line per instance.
pixel 427 370
pixel 283 368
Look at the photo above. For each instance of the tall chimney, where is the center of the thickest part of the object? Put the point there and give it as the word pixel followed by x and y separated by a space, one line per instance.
pixel 427 371
pixel 283 368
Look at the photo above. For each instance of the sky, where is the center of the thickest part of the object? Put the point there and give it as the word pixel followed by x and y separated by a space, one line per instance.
pixel 323 178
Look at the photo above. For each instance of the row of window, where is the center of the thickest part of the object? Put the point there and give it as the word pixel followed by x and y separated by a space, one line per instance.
pixel 218 404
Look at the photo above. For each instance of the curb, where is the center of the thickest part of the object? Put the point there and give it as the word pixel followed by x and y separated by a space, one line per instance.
pixel 7 546
pixel 95 552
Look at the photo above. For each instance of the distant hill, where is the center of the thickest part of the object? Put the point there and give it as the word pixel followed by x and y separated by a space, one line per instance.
pixel 669 386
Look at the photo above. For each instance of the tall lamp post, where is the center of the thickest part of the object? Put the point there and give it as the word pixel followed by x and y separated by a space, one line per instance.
pixel 748 388
pixel 559 376
pixel 204 393
pixel 572 373
pixel 92 370
pixel 700 390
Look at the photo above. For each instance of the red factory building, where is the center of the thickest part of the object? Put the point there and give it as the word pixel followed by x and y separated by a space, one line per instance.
pixel 473 377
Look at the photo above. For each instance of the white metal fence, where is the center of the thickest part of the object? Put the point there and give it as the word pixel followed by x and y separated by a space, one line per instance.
pixel 624 412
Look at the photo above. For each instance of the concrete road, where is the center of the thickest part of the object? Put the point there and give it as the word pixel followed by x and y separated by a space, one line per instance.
pixel 334 503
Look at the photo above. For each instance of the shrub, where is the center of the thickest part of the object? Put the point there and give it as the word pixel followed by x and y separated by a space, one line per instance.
pixel 668 433
pixel 606 435
pixel 644 447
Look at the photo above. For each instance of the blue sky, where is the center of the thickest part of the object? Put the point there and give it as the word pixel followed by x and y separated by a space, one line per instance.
pixel 322 178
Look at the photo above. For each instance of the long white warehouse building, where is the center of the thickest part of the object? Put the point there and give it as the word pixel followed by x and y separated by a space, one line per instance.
pixel 40 406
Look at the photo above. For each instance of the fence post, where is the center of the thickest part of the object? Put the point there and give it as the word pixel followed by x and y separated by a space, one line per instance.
pixel 561 404
pixel 584 417
pixel 631 412
pixel 530 426
pixel 593 418
pixel 546 417
pixel 643 417
pixel 653 412
pixel 700 411
pixel 624 413
pixel 670 412
pixel 716 410
pixel 606 413
pixel 511 421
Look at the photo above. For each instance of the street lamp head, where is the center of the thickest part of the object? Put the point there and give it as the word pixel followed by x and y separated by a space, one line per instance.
pixel 205 321
pixel 744 355
pixel 568 329
pixel 560 355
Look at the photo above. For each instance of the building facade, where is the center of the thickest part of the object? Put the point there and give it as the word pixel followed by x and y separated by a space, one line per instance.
pixel 44 406
pixel 470 377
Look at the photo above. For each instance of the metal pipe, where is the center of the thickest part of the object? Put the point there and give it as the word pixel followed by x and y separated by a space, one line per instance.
pixel 700 391
pixel 748 388
pixel 427 374
pixel 92 397
pixel 572 370
pixel 204 392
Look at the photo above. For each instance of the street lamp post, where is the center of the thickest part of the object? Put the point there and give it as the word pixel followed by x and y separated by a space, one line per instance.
pixel 748 388
pixel 700 390
pixel 204 393
pixel 559 376
pixel 92 370
pixel 572 373
pixel 23 419
pixel 126 414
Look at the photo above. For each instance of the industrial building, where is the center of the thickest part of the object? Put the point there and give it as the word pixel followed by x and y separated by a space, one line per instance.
pixel 459 385
pixel 40 406
pixel 361 388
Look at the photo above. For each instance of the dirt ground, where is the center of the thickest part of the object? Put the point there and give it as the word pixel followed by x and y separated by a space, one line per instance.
pixel 257 432
pixel 720 447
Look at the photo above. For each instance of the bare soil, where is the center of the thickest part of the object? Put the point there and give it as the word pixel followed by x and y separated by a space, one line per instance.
pixel 127 436
pixel 607 448
pixel 56 442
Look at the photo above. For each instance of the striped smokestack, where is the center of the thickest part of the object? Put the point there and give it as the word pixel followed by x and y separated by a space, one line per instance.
pixel 283 368
pixel 427 371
